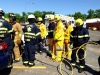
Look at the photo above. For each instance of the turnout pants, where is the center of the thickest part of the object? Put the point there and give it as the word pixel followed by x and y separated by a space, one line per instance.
pixel 80 55
pixel 16 51
pixel 50 41
pixel 29 50
pixel 58 49
pixel 67 49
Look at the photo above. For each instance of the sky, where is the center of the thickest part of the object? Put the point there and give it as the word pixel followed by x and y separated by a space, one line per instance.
pixel 64 7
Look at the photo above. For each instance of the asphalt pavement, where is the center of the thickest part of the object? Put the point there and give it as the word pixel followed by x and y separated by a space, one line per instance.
pixel 45 66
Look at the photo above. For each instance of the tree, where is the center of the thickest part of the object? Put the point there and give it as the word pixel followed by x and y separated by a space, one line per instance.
pixel 84 16
pixel 97 13
pixel 71 15
pixel 91 14
pixel 18 17
pixel 77 15
pixel 24 17
pixel 30 13
pixel 6 15
pixel 38 14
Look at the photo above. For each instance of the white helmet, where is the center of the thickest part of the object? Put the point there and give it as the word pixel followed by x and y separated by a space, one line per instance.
pixel 31 16
pixel 0 9
pixel 1 12
pixel 67 21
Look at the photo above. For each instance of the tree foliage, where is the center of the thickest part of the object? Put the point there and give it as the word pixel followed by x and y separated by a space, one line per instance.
pixel 77 15
pixel 91 14
pixel 97 13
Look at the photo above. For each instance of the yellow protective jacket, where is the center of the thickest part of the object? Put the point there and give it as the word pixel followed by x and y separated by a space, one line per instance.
pixel 67 32
pixel 59 31
pixel 43 30
pixel 18 32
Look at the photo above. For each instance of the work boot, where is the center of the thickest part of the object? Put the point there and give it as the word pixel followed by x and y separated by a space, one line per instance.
pixel 53 57
pixel 40 52
pixel 25 63
pixel 15 61
pixel 31 64
pixel 73 65
pixel 10 66
pixel 80 70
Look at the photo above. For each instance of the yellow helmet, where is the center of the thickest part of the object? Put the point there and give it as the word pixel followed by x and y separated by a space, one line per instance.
pixel 57 17
pixel 39 19
pixel 79 21
pixel 51 17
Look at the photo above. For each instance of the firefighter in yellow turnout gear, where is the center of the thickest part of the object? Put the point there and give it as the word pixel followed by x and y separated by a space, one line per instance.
pixel 58 39
pixel 42 27
pixel 43 32
pixel 68 30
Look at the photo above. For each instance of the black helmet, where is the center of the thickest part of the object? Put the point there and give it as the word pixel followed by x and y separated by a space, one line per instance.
pixel 12 17
pixel 1 12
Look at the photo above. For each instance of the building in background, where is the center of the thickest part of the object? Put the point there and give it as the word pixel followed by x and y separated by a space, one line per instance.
pixel 63 18
pixel 93 24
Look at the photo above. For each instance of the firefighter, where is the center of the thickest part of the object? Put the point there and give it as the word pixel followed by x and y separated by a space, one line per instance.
pixel 6 43
pixel 31 38
pixel 17 37
pixel 79 36
pixel 58 38
pixel 43 33
pixel 67 33
pixel 50 32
